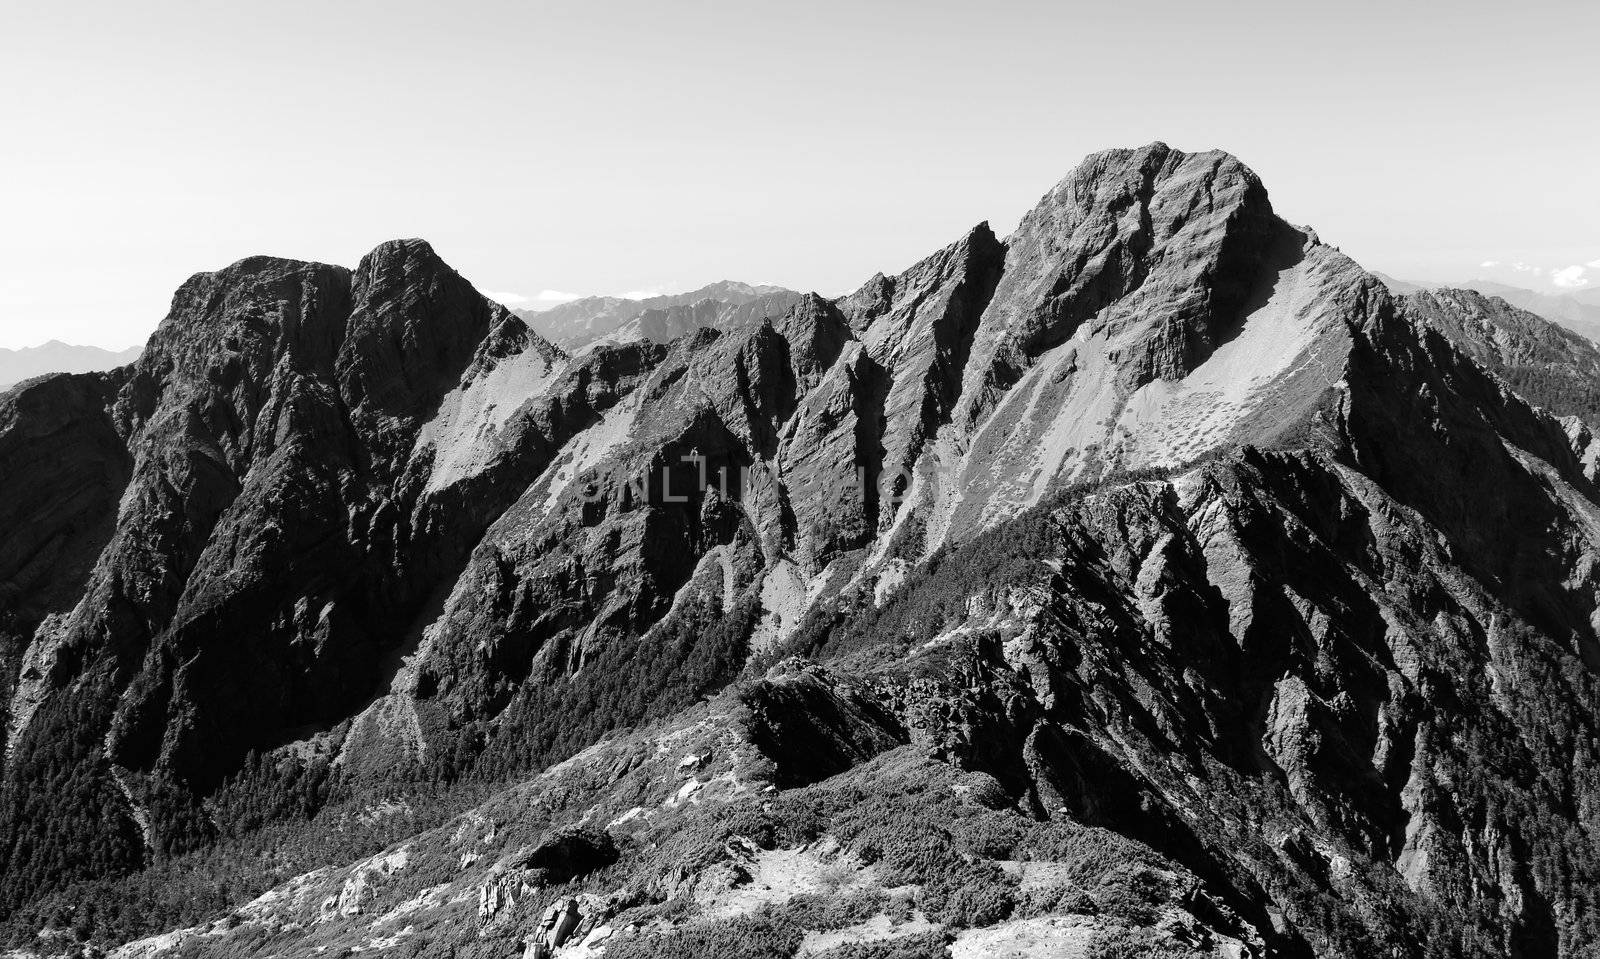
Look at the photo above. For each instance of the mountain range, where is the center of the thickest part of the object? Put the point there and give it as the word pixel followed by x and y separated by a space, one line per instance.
pixel 660 319
pixel 57 357
pixel 1153 581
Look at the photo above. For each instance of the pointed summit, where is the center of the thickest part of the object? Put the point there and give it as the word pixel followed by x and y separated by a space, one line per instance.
pixel 414 326
pixel 816 332
pixel 1153 220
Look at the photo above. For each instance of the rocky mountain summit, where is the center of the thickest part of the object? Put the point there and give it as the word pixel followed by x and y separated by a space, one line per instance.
pixel 1152 581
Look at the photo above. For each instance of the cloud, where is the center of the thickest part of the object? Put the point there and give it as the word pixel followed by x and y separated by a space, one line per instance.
pixel 543 300
pixel 1576 276
pixel 557 296
pixel 1569 277
pixel 649 291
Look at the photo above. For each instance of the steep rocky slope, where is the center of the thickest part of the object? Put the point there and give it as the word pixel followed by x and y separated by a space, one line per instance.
pixel 1178 588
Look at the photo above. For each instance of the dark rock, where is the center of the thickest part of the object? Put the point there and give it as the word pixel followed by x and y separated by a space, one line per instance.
pixel 567 854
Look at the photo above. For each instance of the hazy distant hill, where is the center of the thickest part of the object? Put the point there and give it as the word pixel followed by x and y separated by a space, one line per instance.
pixel 658 319
pixel 58 357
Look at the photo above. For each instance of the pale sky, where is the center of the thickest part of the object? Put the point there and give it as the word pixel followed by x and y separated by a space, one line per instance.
pixel 631 146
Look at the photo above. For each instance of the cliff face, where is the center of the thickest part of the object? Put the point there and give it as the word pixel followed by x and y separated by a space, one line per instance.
pixel 1159 522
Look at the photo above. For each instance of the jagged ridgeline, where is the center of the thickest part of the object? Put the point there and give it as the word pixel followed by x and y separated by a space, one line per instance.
pixel 1150 582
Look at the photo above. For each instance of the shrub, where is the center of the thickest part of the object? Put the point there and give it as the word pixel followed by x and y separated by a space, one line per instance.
pixel 926 945
pixel 758 936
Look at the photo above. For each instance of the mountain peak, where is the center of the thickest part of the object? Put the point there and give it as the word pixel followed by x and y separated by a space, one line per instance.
pixel 721 289
pixel 1154 238
pixel 404 254
pixel 1108 179
pixel 816 332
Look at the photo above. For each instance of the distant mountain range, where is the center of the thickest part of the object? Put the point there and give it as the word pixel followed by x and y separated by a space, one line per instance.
pixel 58 357
pixel 1579 312
pixel 657 319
